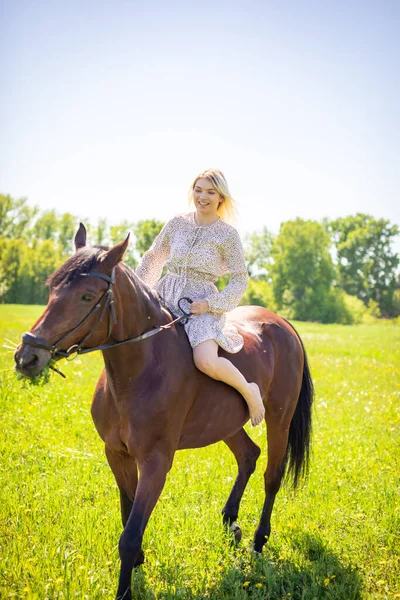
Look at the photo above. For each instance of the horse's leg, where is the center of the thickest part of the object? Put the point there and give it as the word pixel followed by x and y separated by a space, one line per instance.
pixel 277 432
pixel 125 472
pixel 153 472
pixel 126 506
pixel 246 453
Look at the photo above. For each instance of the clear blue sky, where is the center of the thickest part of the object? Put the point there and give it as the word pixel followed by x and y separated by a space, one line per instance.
pixel 109 109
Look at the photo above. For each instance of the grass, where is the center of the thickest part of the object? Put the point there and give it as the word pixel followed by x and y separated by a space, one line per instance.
pixel 337 538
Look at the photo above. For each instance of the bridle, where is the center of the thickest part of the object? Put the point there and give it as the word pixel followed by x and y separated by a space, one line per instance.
pixel 30 339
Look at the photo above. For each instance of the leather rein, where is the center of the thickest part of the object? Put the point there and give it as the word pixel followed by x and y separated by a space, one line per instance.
pixel 31 339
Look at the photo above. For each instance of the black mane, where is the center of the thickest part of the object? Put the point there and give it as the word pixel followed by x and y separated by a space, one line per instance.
pixel 82 262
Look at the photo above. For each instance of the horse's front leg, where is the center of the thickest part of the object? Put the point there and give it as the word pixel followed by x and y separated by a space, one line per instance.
pixel 153 472
pixel 124 468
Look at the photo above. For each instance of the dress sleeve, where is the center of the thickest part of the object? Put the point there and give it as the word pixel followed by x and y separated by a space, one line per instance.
pixel 231 295
pixel 152 262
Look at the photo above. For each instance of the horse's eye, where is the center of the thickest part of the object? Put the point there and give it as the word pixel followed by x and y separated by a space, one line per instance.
pixel 87 297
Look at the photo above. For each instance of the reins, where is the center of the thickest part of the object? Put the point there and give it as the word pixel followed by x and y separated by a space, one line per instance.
pixel 32 340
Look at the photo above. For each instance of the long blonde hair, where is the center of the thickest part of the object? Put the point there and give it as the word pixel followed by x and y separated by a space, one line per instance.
pixel 227 208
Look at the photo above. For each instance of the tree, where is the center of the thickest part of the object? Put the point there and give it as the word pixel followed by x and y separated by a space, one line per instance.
pixel 145 232
pixel 46 226
pixel 257 250
pixel 259 292
pixel 46 259
pixel 15 217
pixel 12 256
pixel 303 271
pixel 24 270
pixel 101 232
pixel 67 227
pixel 117 234
pixel 367 265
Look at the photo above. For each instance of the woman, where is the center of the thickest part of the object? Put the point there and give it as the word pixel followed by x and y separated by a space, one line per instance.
pixel 197 248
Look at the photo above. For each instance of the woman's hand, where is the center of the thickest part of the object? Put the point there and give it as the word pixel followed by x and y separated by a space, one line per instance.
pixel 199 307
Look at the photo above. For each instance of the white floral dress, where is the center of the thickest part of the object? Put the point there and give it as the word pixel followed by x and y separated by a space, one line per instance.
pixel 195 257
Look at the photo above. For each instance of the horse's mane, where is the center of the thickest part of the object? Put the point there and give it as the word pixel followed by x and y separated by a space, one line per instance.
pixel 85 260
pixel 80 263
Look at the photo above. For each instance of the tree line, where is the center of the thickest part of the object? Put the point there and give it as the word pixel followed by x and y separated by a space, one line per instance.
pixel 341 270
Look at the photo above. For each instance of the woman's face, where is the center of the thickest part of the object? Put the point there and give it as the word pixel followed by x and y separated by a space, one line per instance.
pixel 206 197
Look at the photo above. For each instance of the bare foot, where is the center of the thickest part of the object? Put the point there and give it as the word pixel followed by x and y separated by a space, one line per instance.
pixel 255 404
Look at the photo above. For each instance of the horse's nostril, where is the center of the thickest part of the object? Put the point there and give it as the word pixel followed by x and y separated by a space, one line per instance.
pixel 34 360
pixel 31 361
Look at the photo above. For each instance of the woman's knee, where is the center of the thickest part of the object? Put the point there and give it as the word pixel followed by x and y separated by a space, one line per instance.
pixel 204 363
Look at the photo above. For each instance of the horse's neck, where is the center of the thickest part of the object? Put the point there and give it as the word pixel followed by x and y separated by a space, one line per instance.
pixel 138 309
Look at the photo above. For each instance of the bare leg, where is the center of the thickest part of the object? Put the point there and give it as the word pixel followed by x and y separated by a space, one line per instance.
pixel 206 359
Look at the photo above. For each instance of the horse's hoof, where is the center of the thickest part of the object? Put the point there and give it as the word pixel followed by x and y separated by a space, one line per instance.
pixel 139 560
pixel 237 532
pixel 258 544
pixel 127 595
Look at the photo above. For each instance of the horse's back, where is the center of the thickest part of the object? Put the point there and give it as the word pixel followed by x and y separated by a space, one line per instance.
pixel 272 355
pixel 258 318
pixel 221 410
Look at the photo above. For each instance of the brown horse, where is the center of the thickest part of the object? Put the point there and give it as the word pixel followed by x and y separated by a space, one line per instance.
pixel 151 400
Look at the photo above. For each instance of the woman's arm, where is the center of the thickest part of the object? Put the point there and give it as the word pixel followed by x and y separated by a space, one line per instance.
pixel 152 262
pixel 231 295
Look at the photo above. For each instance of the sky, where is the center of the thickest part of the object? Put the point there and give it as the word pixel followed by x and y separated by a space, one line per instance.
pixel 110 109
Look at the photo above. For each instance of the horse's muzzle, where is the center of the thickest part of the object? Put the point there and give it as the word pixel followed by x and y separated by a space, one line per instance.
pixel 30 361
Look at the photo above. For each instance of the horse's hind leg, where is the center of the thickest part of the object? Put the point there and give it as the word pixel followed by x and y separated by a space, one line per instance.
pixel 246 453
pixel 277 444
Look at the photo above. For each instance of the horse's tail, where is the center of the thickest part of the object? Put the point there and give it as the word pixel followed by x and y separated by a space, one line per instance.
pixel 298 449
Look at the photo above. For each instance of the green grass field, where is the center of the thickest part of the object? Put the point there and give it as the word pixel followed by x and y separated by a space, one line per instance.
pixel 337 537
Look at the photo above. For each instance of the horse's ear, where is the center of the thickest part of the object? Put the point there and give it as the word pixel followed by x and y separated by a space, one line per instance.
pixel 113 256
pixel 80 237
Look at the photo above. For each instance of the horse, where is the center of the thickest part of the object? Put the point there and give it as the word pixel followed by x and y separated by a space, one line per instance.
pixel 151 400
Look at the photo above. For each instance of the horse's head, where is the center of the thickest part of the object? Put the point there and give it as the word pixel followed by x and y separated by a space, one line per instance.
pixel 80 310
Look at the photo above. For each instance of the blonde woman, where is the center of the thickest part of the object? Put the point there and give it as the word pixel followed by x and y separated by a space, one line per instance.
pixel 197 248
